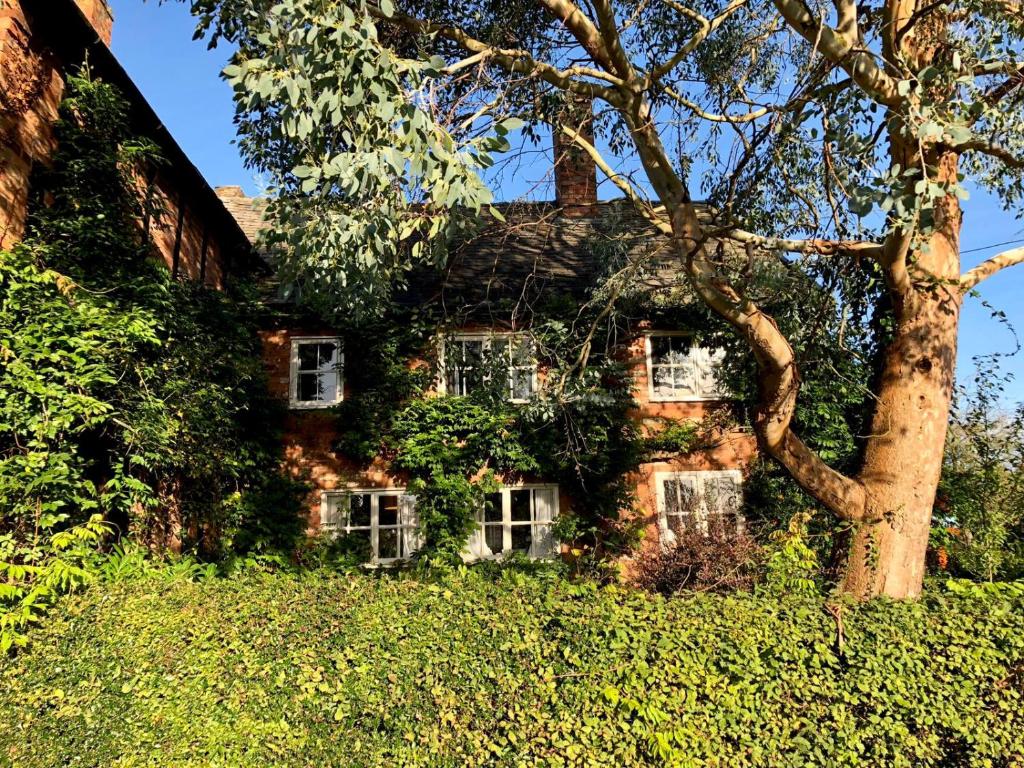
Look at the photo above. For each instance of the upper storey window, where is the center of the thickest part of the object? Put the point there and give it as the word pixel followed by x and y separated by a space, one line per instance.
pixel 316 372
pixel 680 370
pixel 501 360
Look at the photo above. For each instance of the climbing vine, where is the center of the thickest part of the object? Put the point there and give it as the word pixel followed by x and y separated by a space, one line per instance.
pixel 124 392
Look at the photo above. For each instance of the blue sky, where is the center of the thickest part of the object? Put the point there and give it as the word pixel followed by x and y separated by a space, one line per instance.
pixel 180 78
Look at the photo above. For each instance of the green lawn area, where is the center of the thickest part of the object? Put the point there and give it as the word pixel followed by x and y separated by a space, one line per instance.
pixel 483 669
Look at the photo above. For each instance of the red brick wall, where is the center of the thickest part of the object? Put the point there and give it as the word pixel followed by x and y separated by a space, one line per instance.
pixel 31 88
pixel 99 15
pixel 30 91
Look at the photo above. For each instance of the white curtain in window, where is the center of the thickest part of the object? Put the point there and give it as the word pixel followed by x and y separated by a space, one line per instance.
pixel 542 542
pixel 330 517
pixel 410 520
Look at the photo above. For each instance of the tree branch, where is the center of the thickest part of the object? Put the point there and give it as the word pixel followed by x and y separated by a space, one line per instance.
pixel 990 266
pixel 698 37
pixel 810 246
pixel 583 29
pixel 993 150
pixel 620 181
pixel 778 378
pixel 510 59
pixel 841 50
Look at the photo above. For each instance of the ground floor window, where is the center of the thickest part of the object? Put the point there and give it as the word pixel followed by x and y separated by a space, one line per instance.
pixel 385 519
pixel 706 501
pixel 516 519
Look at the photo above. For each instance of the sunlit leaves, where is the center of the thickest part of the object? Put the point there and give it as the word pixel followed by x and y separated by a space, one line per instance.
pixel 365 180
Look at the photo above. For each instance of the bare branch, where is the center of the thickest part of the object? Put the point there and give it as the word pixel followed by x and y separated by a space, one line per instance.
pixel 813 245
pixel 583 29
pixel 842 50
pixel 993 150
pixel 710 116
pixel 509 59
pixel 990 266
pixel 610 35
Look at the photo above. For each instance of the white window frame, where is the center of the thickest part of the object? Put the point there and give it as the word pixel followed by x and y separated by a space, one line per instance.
pixel 487 337
pixel 409 536
pixel 293 373
pixel 711 358
pixel 703 513
pixel 476 547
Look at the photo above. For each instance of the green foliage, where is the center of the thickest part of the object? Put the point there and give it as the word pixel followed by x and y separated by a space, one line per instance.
pixel 503 669
pixel 34 574
pixel 979 516
pixel 338 121
pixel 122 391
pixel 792 566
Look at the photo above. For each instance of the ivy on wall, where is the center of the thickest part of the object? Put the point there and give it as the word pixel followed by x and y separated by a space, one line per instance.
pixel 123 391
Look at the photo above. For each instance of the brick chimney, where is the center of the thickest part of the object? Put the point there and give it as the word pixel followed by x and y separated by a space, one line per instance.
pixel 98 14
pixel 575 171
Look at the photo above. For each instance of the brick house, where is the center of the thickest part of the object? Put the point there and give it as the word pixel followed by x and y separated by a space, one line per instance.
pixel 486 294
pixel 41 41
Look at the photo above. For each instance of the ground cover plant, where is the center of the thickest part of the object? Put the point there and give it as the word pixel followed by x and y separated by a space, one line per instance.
pixel 494 667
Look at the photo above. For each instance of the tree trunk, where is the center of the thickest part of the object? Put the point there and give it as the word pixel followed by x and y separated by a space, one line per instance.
pixel 903 454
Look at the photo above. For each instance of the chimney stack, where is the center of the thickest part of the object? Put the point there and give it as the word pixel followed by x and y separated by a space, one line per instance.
pixel 575 170
pixel 97 13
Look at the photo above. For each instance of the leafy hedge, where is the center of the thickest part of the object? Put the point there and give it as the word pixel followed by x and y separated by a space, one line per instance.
pixel 471 669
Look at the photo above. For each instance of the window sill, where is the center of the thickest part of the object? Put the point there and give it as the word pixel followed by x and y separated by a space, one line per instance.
pixel 692 399
pixel 300 406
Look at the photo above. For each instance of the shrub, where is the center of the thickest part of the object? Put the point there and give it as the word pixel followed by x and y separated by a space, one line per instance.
pixel 719 561
pixel 503 669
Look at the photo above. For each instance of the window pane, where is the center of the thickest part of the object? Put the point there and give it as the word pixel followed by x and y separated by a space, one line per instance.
pixel 359 506
pixel 472 352
pixel 308 357
pixel 387 510
pixel 680 346
pixel 308 387
pixel 387 543
pixel 663 379
pixel 328 356
pixel 492 508
pixel 359 542
pixel 522 537
pixel 471 378
pixel 661 348
pixel 452 380
pixel 671 488
pixel 493 538
pixel 328 386
pixel 522 383
pixel 521 506
pixel 522 352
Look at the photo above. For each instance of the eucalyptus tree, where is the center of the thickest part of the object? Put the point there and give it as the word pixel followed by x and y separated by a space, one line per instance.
pixel 831 136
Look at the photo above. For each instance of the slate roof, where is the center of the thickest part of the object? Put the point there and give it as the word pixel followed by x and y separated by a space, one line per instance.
pixel 537 254
pixel 538 251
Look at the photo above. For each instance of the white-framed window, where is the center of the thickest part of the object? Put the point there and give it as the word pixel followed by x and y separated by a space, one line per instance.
pixel 385 518
pixel 316 372
pixel 706 501
pixel 515 519
pixel 680 370
pixel 472 360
